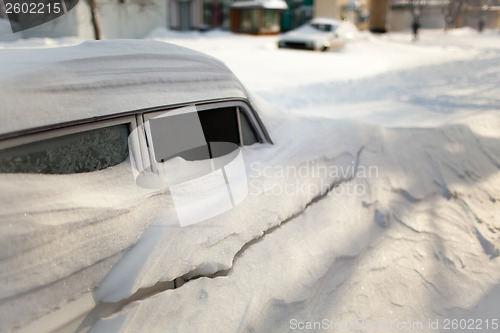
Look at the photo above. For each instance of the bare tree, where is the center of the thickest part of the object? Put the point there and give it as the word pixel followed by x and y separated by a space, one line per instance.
pixel 3 15
pixel 484 6
pixel 416 7
pixel 96 24
pixel 451 12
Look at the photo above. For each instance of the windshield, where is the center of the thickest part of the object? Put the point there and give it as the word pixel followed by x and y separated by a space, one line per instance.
pixel 323 27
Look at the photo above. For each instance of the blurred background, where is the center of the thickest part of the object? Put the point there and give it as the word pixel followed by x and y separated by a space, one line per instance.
pixel 107 19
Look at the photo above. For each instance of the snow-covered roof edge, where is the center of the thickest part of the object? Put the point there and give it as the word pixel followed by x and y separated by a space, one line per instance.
pixel 102 79
pixel 267 4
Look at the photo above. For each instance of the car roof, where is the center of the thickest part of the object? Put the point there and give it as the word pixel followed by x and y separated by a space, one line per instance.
pixel 325 20
pixel 46 88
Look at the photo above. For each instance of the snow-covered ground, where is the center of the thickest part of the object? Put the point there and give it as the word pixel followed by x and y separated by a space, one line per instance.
pixel 377 208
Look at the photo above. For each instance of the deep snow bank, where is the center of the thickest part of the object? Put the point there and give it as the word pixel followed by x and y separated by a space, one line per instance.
pixel 418 243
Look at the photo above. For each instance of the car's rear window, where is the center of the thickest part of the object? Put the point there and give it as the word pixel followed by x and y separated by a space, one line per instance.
pixel 186 135
pixel 74 153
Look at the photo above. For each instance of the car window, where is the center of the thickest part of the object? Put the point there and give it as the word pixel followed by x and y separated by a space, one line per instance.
pixel 85 151
pixel 247 132
pixel 186 135
pixel 200 135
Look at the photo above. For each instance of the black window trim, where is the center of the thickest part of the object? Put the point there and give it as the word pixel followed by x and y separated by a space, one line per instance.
pixel 137 118
pixel 60 132
pixel 19 137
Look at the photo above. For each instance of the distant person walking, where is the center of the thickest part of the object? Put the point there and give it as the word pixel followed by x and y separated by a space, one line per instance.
pixel 415 26
pixel 481 25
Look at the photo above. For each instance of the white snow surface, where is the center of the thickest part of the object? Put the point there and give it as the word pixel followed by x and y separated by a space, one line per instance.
pixel 99 79
pixel 408 132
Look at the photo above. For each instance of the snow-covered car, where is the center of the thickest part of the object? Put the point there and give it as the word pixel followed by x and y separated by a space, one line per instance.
pixel 367 211
pixel 87 134
pixel 319 34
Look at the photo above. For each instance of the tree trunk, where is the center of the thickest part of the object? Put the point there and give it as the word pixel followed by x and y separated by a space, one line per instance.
pixel 452 12
pixel 95 19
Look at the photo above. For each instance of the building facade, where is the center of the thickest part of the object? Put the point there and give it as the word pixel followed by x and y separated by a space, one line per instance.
pixel 477 13
pixel 355 11
pixel 430 14
pixel 118 19
pixel 257 17
pixel 396 15
pixel 297 13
